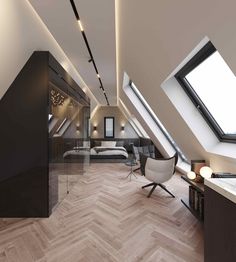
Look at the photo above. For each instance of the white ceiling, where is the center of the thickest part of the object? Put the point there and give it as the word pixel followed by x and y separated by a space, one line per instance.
pixel 98 19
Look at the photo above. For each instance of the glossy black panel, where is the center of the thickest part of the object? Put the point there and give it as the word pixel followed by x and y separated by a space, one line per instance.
pixel 23 139
pixel 25 195
pixel 27 188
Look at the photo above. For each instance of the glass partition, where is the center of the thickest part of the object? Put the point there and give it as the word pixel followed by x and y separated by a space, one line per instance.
pixel 69 142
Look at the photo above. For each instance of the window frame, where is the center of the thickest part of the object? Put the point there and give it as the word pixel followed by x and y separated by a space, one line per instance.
pixel 105 126
pixel 180 76
pixel 167 136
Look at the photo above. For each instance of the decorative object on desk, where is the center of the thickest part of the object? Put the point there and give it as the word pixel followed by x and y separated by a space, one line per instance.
pixel 206 172
pixel 196 165
pixel 191 175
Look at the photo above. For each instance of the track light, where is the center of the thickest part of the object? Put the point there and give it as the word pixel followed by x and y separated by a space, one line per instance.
pixel 91 59
pixel 80 25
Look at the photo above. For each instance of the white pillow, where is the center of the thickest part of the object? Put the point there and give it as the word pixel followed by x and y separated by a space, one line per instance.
pixel 108 143
pixel 86 143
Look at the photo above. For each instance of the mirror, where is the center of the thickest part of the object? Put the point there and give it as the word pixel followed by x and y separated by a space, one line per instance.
pixel 109 126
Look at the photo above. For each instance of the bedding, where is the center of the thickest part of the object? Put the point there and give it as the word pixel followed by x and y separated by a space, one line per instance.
pixel 109 151
pixel 77 151
pixel 97 152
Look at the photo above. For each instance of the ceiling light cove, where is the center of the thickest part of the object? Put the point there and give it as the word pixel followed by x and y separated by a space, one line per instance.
pixel 88 47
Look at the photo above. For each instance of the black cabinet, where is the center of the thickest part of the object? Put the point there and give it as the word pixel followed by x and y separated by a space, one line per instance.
pixel 219 228
pixel 25 138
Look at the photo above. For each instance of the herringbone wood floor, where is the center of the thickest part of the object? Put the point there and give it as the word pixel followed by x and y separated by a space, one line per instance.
pixel 108 218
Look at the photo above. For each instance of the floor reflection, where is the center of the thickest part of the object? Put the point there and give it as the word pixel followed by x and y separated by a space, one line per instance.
pixel 63 176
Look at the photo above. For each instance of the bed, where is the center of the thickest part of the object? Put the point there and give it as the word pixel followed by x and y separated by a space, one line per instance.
pixel 108 152
pixel 103 150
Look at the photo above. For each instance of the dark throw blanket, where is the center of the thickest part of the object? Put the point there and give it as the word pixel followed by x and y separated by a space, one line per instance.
pixel 99 149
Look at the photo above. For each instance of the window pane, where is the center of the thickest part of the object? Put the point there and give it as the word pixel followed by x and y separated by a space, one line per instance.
pixel 157 121
pixel 215 84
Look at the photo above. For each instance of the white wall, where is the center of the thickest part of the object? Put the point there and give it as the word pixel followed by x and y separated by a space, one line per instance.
pixel 23 32
pixel 154 37
pixel 120 120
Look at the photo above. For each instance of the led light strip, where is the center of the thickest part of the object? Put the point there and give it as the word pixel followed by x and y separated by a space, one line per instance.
pixel 88 47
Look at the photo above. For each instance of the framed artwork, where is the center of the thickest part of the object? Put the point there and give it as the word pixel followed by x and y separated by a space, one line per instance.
pixel 109 127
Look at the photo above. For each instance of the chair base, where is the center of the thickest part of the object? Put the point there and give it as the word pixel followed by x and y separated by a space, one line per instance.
pixel 136 169
pixel 154 185
pixel 130 175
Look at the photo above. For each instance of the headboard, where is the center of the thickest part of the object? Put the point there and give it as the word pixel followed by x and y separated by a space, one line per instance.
pixel 127 142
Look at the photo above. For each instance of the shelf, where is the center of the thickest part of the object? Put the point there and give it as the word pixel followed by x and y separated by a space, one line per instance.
pixel 194 212
pixel 198 186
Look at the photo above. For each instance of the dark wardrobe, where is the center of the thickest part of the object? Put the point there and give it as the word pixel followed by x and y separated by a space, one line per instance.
pixel 43 114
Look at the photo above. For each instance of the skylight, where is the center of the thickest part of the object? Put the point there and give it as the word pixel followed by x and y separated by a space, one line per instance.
pixel 61 125
pixel 215 85
pixel 157 121
pixel 211 85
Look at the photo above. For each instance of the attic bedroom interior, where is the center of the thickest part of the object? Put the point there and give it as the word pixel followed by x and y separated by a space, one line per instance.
pixel 118 132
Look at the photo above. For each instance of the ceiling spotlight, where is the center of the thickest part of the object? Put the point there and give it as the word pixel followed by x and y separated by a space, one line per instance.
pixel 80 25
pixel 98 75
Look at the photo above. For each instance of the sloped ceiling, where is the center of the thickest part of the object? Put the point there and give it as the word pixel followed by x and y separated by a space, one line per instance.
pixel 98 19
pixel 154 37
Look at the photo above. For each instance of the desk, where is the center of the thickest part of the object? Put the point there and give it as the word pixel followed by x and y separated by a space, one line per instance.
pixel 220 220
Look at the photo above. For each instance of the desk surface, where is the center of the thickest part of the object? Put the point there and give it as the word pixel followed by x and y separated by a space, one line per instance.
pixel 224 186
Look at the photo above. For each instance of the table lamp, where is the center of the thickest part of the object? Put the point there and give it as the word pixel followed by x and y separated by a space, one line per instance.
pixel 206 172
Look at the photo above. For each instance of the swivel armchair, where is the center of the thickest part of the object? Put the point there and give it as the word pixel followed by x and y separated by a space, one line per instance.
pixel 159 171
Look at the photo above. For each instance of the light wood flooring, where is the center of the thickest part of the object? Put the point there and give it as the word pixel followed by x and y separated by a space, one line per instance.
pixel 106 217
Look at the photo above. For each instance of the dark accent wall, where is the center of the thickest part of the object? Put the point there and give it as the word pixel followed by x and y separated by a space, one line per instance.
pixel 127 142
pixel 24 150
pixel 147 141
